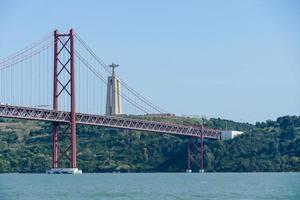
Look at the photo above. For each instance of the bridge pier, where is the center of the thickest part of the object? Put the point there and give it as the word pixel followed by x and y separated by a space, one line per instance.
pixel 195 153
pixel 189 170
pixel 55 146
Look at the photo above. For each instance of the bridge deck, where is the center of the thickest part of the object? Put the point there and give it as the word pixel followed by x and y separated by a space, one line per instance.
pixel 29 113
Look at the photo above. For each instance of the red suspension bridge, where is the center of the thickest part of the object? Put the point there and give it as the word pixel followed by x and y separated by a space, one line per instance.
pixel 58 81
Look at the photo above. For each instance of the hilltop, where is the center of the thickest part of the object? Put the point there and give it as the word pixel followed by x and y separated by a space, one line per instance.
pixel 25 146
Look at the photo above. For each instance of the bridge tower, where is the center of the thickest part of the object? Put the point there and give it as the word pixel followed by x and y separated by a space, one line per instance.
pixel 113 97
pixel 195 153
pixel 64 63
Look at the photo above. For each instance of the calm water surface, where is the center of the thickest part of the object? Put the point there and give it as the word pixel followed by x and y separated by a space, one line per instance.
pixel 148 186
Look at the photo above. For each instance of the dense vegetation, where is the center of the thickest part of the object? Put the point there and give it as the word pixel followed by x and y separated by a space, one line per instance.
pixel 25 146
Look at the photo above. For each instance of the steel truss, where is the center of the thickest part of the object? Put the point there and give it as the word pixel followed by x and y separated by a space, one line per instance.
pixel 9 111
pixel 195 154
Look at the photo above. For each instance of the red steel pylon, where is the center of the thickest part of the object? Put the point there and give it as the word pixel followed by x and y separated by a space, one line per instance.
pixel 195 153
pixel 64 63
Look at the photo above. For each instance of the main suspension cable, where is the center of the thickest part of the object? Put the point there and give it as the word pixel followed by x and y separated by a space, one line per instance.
pixel 123 83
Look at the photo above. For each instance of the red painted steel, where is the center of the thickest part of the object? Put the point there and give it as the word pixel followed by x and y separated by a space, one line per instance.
pixel 55 103
pixel 73 111
pixel 18 112
pixel 189 154
pixel 55 85
pixel 202 149
pixel 195 151
pixel 61 46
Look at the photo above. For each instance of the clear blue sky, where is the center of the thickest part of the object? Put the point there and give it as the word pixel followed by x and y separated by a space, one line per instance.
pixel 237 59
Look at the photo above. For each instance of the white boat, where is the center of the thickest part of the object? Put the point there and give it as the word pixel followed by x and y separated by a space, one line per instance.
pixel 64 171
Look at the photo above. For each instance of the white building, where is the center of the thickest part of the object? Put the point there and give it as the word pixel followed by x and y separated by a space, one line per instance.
pixel 230 134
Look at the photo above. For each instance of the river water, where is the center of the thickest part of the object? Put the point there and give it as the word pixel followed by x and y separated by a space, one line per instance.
pixel 151 186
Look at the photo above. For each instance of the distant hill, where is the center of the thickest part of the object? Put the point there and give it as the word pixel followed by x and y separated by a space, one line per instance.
pixel 25 146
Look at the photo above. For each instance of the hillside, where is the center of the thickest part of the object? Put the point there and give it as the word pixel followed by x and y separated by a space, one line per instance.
pixel 25 146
